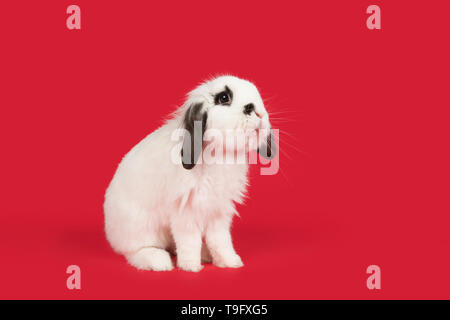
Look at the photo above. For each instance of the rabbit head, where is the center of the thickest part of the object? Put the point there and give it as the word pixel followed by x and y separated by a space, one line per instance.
pixel 229 106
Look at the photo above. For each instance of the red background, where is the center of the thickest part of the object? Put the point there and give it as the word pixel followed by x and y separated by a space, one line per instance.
pixel 365 143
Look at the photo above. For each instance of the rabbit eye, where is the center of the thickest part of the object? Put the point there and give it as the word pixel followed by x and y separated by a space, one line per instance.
pixel 224 97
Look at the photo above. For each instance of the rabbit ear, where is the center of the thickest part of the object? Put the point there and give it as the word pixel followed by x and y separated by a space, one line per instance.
pixel 268 149
pixel 195 125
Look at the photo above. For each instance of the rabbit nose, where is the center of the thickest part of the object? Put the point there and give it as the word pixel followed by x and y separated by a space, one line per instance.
pixel 248 108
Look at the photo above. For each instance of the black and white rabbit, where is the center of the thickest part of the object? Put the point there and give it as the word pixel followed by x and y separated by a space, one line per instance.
pixel 163 198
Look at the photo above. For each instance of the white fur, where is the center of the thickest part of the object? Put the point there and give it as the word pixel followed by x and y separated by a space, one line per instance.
pixel 154 206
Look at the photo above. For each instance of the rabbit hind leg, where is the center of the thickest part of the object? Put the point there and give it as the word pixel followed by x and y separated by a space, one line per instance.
pixel 151 258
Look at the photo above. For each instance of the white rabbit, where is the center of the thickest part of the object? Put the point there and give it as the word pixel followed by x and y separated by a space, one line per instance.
pixel 163 198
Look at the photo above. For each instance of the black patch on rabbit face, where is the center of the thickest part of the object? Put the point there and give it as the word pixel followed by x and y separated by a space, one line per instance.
pixel 224 98
pixel 268 148
pixel 195 123
pixel 249 108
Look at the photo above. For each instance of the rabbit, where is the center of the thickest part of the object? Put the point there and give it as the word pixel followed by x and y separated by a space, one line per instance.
pixel 163 199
